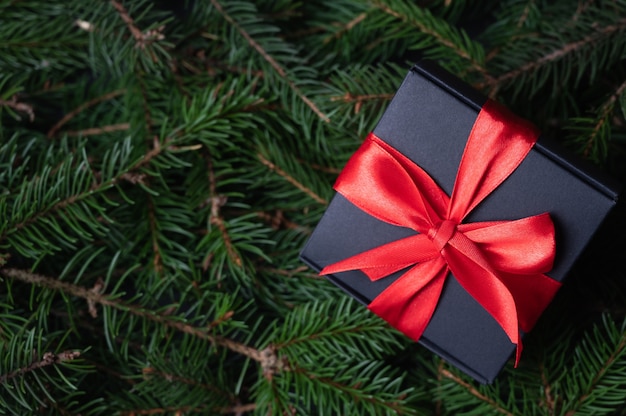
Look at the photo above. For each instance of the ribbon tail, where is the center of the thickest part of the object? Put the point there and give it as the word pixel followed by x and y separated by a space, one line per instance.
pixel 387 259
pixel 409 302
pixel 474 273
pixel 532 294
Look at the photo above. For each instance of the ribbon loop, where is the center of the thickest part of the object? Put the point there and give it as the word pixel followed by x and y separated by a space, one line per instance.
pixel 499 263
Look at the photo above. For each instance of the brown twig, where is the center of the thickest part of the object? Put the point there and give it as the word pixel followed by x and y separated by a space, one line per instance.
pixel 49 358
pixel 94 131
pixel 82 108
pixel 130 23
pixel 273 63
pixel 291 180
pixel 21 107
pixel 473 391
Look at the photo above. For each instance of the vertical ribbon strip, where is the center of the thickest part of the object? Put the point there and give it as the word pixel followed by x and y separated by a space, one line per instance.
pixel 501 264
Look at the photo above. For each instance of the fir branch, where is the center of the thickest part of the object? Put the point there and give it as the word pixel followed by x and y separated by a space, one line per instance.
pixel 494 84
pixel 95 131
pixel 353 392
pixel 273 63
pixel 323 333
pixel 473 391
pixel 347 383
pixel 80 192
pixel 291 180
pixel 215 218
pixel 56 207
pixel 604 117
pixel 82 108
pixel 442 40
pixel 236 407
pixel 49 358
pixel 21 107
pixel 600 373
pixel 93 189
pixel 88 325
pixel 267 357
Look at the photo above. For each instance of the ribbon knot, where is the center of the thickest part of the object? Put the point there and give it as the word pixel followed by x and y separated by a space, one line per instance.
pixel 501 264
pixel 441 234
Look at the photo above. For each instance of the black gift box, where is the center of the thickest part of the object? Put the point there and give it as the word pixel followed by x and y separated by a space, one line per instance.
pixel 429 121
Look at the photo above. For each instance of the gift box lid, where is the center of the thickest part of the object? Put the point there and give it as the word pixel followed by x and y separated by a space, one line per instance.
pixel 429 120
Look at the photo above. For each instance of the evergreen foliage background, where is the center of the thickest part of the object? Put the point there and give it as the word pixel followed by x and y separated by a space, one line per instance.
pixel 162 164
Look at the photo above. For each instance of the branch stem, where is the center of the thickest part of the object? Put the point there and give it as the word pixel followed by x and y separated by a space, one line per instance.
pixel 266 357
pixel 49 358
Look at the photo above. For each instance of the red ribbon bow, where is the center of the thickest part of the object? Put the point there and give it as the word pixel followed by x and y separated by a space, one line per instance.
pixel 500 263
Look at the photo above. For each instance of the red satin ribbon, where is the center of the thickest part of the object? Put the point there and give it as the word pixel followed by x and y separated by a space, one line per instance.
pixel 499 263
